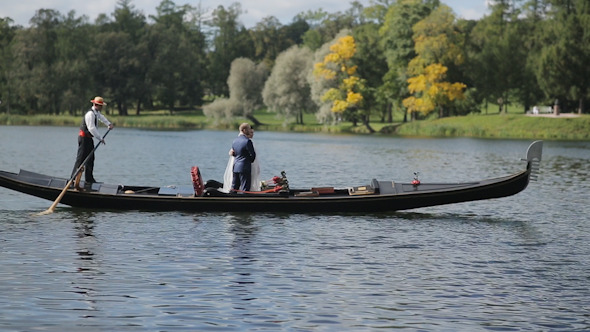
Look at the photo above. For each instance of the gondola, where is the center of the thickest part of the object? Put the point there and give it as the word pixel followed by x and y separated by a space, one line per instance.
pixel 376 196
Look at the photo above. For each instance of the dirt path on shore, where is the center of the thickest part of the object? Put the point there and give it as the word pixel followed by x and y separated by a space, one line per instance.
pixel 562 115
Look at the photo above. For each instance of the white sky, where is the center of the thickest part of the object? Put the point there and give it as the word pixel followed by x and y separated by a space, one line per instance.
pixel 21 11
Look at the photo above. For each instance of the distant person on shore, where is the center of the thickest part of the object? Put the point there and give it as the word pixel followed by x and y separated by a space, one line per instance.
pixel 244 166
pixel 88 131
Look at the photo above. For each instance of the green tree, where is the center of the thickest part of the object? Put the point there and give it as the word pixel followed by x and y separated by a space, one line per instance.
pixel 325 26
pixel 287 90
pixel 267 39
pixel 72 64
pixel 129 21
pixel 177 52
pixel 377 11
pixel 112 63
pixel 230 40
pixel 294 32
pixel 371 65
pixel 498 57
pixel 563 65
pixel 313 38
pixel 36 55
pixel 7 34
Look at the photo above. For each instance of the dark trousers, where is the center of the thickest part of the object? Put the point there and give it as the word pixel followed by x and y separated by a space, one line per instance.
pixel 241 181
pixel 85 146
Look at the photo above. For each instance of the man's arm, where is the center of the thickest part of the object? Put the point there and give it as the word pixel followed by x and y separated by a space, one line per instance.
pixel 250 147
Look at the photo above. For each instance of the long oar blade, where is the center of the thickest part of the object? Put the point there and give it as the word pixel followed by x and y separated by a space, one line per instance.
pixel 57 200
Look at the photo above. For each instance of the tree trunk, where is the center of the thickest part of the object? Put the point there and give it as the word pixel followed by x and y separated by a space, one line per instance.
pixel 254 120
pixel 368 125
pixel 389 112
pixel 122 108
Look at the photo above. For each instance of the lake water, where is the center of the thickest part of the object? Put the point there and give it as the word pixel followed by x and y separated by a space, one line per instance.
pixel 520 263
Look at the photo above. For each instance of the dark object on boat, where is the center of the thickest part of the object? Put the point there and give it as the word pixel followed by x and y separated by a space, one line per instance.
pixel 379 196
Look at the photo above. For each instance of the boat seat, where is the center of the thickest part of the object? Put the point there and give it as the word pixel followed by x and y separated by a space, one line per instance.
pixel 108 188
pixel 387 187
pixel 179 191
pixel 375 185
pixel 57 183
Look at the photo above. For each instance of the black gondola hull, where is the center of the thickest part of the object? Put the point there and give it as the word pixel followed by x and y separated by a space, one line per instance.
pixel 398 196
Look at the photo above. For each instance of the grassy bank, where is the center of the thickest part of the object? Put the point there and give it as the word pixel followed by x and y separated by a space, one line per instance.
pixel 563 127
pixel 513 126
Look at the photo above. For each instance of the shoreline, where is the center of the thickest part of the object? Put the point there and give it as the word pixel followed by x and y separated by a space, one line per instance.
pixel 572 127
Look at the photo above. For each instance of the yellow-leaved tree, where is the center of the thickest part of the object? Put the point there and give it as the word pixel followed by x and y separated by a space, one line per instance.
pixel 345 94
pixel 429 90
pixel 436 43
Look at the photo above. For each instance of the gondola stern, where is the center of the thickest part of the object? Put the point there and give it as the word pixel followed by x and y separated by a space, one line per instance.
pixel 534 155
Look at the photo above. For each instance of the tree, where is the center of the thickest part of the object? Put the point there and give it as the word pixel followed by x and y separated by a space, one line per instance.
pixel 72 64
pixel 287 90
pixel 436 47
pixel 398 44
pixel 267 39
pixel 498 56
pixel 337 66
pixel 222 110
pixel 7 34
pixel 133 23
pixel 563 66
pixel 36 56
pixel 112 63
pixel 230 41
pixel 293 33
pixel 245 82
pixel 325 26
pixel 431 91
pixel 371 66
pixel 177 53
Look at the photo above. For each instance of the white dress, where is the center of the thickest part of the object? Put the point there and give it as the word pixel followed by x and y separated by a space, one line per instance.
pixel 254 176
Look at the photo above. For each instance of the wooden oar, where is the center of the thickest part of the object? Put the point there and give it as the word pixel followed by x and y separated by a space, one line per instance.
pixel 63 192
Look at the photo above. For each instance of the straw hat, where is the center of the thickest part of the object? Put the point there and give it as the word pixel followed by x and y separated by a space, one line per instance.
pixel 98 101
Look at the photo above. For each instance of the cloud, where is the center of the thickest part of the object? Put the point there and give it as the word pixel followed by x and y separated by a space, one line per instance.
pixel 471 14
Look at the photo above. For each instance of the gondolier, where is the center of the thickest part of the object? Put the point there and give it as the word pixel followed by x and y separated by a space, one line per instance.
pixel 88 131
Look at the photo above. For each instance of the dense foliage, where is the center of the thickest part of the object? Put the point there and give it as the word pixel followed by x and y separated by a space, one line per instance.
pixel 414 57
